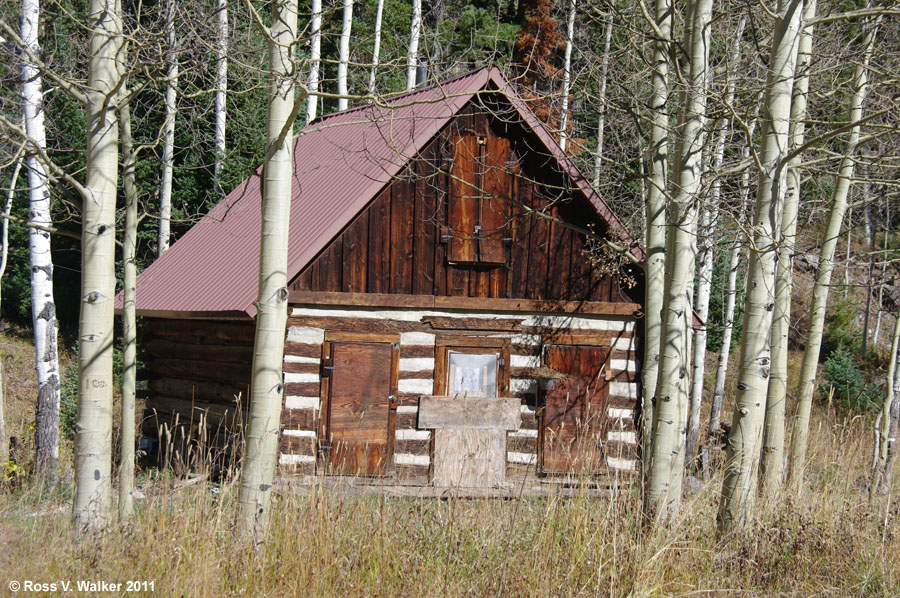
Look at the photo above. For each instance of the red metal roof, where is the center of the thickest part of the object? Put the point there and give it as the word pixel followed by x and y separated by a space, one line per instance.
pixel 342 162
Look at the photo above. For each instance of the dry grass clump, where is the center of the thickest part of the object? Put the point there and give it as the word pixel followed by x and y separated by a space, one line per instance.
pixel 827 541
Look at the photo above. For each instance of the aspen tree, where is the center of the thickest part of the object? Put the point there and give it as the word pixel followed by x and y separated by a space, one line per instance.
pixel 567 77
pixel 168 152
pixel 773 432
pixel 221 91
pixel 709 224
pixel 656 219
pixel 887 423
pixel 4 256
pixel 266 386
pixel 344 55
pixel 807 383
pixel 601 104
pixel 93 427
pixel 663 497
pixel 315 55
pixel 742 453
pixel 43 307
pixel 129 323
pixel 412 55
pixel 376 51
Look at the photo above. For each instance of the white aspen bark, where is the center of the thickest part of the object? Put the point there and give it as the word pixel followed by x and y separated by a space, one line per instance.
pixel 567 77
pixel 807 383
pixel 412 56
pixel 266 386
pixel 315 55
pixel 601 101
pixel 772 458
pixel 168 151
pixel 129 323
pixel 43 308
pixel 886 424
pixel 663 498
pixel 884 261
pixel 709 225
pixel 221 92
pixel 715 411
pixel 656 224
pixel 344 55
pixel 745 438
pixel 376 52
pixel 93 427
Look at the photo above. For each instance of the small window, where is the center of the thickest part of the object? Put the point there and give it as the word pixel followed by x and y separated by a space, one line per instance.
pixel 472 374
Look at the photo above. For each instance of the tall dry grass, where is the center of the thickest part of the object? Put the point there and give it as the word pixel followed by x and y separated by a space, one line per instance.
pixel 827 541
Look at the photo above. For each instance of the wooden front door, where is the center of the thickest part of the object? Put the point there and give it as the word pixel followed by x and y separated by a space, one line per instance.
pixel 574 411
pixel 360 414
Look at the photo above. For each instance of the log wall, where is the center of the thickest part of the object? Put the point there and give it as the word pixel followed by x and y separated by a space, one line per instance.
pixel 419 332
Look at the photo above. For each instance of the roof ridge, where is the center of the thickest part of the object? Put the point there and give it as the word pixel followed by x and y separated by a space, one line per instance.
pixel 394 99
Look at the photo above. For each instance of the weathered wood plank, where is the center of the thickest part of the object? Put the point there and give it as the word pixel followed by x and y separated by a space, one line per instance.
pixel 302 349
pixel 355 255
pixel 299 419
pixel 379 249
pixel 446 323
pixel 425 223
pixel 297 445
pixel 201 332
pixel 470 413
pixel 474 458
pixel 226 353
pixel 402 233
pixel 202 370
pixel 464 198
pixel 202 390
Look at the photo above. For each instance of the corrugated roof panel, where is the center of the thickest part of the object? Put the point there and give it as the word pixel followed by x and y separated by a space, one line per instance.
pixel 342 161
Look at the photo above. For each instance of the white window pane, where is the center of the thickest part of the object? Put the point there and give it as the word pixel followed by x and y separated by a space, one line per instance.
pixel 473 374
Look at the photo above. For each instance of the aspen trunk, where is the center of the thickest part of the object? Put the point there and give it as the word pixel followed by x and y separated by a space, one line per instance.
pixel 601 101
pixel 744 440
pixel 221 92
pixel 266 387
pixel 567 77
pixel 168 151
pixel 129 324
pixel 707 254
pixel 344 55
pixel 43 307
pixel 377 49
pixel 315 55
pixel 412 56
pixel 656 224
pixel 715 410
pixel 771 462
pixel 93 428
pixel 663 498
pixel 807 384
pixel 886 425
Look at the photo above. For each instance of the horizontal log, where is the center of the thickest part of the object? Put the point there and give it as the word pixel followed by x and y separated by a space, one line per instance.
pixel 302 389
pixel 374 325
pixel 411 474
pixel 291 367
pixel 230 353
pixel 407 421
pixel 418 374
pixel 320 298
pixel 303 349
pixel 447 323
pixel 200 370
pixel 299 419
pixel 201 390
pixel 521 444
pixel 163 409
pixel 297 445
pixel 416 351
pixel 304 468
pixel 413 447
pixel 529 421
pixel 209 332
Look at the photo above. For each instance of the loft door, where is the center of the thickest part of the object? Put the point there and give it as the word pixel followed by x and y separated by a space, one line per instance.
pixel 574 411
pixel 359 424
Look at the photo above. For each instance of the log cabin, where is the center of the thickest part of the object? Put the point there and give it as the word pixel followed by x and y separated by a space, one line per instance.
pixel 456 315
